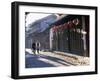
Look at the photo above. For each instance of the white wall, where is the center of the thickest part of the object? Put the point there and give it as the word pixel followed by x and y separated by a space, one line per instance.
pixel 5 40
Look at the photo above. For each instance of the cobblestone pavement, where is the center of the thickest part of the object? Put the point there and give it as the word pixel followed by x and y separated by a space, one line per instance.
pixel 53 59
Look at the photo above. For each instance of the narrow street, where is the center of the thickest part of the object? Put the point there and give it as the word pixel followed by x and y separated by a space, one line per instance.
pixel 48 59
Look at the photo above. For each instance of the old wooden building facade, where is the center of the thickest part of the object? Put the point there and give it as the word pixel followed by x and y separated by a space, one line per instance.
pixel 71 34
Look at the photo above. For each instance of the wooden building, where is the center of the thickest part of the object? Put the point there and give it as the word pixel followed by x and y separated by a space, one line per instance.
pixel 71 34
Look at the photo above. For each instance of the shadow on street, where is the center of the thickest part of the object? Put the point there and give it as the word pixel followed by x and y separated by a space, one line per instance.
pixel 41 60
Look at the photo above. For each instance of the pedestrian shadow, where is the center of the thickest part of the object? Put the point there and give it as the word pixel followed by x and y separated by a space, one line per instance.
pixel 58 60
pixel 32 61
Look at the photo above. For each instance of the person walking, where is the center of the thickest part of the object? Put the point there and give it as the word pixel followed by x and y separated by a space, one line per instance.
pixel 38 47
pixel 34 48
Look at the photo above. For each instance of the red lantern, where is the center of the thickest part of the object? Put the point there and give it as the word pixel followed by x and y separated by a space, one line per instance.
pixel 70 24
pixel 65 25
pixel 60 27
pixel 54 28
pixel 76 21
pixel 57 28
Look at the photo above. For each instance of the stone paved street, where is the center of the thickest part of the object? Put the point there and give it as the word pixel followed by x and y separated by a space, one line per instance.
pixel 52 59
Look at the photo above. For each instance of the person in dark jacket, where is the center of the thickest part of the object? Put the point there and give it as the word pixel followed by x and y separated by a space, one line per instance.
pixel 34 48
pixel 38 47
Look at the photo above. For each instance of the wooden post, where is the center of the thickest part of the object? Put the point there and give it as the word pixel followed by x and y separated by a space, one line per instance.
pixel 84 35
